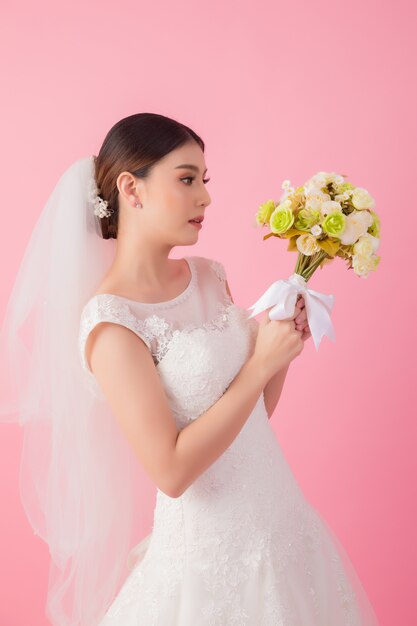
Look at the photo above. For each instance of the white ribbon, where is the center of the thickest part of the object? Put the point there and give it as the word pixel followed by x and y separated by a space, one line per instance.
pixel 283 294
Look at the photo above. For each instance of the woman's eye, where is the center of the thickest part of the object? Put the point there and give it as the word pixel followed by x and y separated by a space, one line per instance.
pixel 205 180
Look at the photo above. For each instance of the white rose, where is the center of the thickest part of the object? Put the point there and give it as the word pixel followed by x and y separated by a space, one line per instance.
pixel 307 244
pixel 332 177
pixel 314 200
pixel 357 223
pixel 314 186
pixel 366 245
pixel 362 265
pixel 322 179
pixel 361 199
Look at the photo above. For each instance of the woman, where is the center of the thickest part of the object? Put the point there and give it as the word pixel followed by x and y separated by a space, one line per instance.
pixel 175 380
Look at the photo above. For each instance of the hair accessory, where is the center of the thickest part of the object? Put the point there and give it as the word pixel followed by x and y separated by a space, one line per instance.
pixel 100 205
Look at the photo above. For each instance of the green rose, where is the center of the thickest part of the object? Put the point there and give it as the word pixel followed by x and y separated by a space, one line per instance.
pixel 281 220
pixel 306 219
pixel 265 211
pixel 334 223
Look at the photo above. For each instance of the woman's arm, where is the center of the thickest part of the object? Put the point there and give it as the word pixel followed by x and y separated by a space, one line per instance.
pixel 273 388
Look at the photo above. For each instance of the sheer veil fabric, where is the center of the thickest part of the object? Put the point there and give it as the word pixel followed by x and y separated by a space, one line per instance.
pixel 77 472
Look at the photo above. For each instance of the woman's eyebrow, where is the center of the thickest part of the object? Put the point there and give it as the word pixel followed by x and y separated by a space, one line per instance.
pixel 189 166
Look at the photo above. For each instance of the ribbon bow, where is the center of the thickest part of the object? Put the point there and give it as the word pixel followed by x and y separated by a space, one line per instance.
pixel 283 294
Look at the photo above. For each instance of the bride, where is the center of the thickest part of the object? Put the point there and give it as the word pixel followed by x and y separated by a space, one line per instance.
pixel 143 367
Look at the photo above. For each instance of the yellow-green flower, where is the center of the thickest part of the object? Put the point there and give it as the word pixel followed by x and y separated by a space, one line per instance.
pixel 374 229
pixel 334 223
pixel 306 218
pixel 281 220
pixel 265 211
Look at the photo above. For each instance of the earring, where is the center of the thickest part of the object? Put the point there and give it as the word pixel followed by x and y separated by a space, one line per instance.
pixel 139 206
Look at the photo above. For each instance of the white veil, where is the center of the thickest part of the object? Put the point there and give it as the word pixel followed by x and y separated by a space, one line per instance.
pixel 77 474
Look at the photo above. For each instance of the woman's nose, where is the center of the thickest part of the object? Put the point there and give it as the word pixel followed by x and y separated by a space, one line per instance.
pixel 207 199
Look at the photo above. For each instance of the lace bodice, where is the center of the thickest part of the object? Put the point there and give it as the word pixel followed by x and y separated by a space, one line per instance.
pixel 192 324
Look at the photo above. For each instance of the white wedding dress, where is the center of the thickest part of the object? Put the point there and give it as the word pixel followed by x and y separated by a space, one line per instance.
pixel 242 545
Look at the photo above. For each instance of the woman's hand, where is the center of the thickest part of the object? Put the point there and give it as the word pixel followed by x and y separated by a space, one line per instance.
pixel 300 319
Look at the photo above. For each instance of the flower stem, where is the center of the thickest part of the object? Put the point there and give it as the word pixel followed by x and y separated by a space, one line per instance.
pixel 314 265
pixel 302 263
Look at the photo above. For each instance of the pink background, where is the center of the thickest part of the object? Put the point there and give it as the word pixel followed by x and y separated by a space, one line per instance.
pixel 277 90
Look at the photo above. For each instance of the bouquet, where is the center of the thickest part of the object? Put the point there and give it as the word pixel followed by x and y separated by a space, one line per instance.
pixel 325 218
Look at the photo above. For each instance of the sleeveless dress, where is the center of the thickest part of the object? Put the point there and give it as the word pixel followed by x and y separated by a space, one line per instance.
pixel 242 545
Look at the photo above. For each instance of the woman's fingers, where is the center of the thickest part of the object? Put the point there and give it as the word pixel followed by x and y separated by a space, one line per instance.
pixel 301 316
pixel 300 319
pixel 306 333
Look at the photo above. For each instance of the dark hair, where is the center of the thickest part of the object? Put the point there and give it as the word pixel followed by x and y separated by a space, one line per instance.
pixel 135 144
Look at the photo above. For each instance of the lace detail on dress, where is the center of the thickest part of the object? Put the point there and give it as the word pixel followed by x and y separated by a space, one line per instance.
pixel 154 328
pixel 118 309
pixel 108 308
pixel 168 333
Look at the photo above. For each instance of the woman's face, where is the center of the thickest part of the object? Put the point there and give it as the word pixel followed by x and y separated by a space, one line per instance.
pixel 173 194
